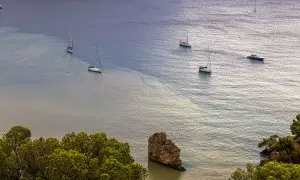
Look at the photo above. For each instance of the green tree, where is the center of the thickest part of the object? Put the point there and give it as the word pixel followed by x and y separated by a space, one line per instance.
pixel 241 174
pixel 295 127
pixel 79 142
pixel 269 144
pixel 94 169
pixel 136 171
pixel 33 155
pixel 12 140
pixel 4 172
pixel 98 144
pixel 17 136
pixel 114 169
pixel 76 156
pixel 270 171
pixel 281 146
pixel 275 170
pixel 281 151
pixel 120 151
pixel 117 171
pixel 67 165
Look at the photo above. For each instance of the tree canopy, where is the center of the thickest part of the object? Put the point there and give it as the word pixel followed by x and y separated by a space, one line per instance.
pixel 270 171
pixel 295 127
pixel 77 156
pixel 283 149
pixel 283 158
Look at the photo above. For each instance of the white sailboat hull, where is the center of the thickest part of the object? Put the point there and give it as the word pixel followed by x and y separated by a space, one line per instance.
pixel 204 70
pixel 184 44
pixel 69 51
pixel 94 69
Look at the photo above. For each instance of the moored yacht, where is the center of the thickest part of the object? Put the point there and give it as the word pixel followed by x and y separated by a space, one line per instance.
pixel 207 68
pixel 96 69
pixel 70 48
pixel 255 57
pixel 184 43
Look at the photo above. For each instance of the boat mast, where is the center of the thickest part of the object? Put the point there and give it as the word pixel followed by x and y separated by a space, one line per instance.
pixel 187 39
pixel 254 7
pixel 72 43
pixel 208 58
pixel 70 38
pixel 98 56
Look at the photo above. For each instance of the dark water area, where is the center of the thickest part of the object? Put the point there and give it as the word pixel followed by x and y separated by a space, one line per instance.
pixel 149 83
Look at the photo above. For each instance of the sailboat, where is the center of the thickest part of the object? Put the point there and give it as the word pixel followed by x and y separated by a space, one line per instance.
pixel 254 7
pixel 184 43
pixel 207 68
pixel 70 48
pixel 255 57
pixel 96 69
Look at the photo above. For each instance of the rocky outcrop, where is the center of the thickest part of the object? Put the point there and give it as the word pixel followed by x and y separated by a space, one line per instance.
pixel 164 151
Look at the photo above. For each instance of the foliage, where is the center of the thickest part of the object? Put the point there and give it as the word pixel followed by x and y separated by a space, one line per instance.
pixel 241 174
pixel 275 170
pixel 70 164
pixel 295 127
pixel 34 154
pixel 77 156
pixel 279 144
pixel 283 149
pixel 270 171
pixel 283 158
pixel 270 143
pixel 17 136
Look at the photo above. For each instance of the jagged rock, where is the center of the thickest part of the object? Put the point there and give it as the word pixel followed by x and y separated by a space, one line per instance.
pixel 164 151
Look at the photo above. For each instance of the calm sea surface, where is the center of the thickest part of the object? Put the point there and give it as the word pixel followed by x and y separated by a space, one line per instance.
pixel 150 84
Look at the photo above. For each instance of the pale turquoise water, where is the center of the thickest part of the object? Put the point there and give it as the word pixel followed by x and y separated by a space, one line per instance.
pixel 149 83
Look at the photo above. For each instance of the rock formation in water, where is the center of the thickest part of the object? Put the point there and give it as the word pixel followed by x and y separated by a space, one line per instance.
pixel 164 151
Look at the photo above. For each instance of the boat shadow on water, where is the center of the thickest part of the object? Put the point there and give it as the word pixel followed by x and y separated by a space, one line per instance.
pixel 252 61
pixel 181 49
pixel 204 76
